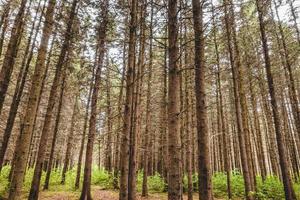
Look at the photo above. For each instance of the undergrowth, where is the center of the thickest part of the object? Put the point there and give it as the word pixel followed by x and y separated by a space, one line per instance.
pixel 270 188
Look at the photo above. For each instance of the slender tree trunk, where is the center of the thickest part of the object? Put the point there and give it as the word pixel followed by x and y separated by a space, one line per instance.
pixel 294 14
pixel 86 189
pixel 19 86
pixel 21 152
pixel 35 184
pixel 86 118
pixel 67 157
pixel 205 185
pixel 288 187
pixel 53 144
pixel 109 143
pixel 174 146
pixel 223 126
pixel 4 23
pixel 120 102
pixel 148 111
pixel 290 77
pixel 127 127
pixel 239 98
pixel 11 52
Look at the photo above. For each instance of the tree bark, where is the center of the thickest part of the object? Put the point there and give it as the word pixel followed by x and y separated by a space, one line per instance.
pixel 174 145
pixel 148 111
pixel 55 132
pixel 205 185
pixel 11 52
pixel 127 127
pixel 21 152
pixel 35 184
pixel 86 189
pixel 67 157
pixel 86 118
pixel 288 187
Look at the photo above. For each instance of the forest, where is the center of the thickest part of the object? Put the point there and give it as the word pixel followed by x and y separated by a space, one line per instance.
pixel 149 99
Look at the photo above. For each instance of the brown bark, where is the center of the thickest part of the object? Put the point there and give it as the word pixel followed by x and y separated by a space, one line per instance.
pixel 174 145
pixel 21 152
pixel 20 85
pixel 288 187
pixel 205 185
pixel 239 99
pixel 128 114
pixel 55 132
pixel 294 14
pixel 86 189
pixel 290 76
pixel 148 111
pixel 109 143
pixel 86 117
pixel 118 136
pixel 67 157
pixel 11 52
pixel 4 23
pixel 35 184
pixel 220 94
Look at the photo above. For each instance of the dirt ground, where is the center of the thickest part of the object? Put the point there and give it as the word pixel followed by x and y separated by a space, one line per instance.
pixel 98 194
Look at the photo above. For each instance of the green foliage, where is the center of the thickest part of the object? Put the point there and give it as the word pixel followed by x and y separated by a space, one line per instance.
pixel 4 184
pixel 219 180
pixel 271 188
pixel 70 179
pixel 219 184
pixel 297 189
pixel 194 181
pixel 156 183
pixel 102 178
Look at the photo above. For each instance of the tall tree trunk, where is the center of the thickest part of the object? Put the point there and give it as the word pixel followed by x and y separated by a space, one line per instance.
pixel 294 14
pixel 127 127
pixel 86 118
pixel 86 189
pixel 205 185
pixel 20 85
pixel 148 110
pixel 288 187
pixel 174 146
pixel 118 135
pixel 67 157
pixel 35 184
pixel 4 23
pixel 239 97
pixel 290 77
pixel 21 152
pixel 55 132
pixel 11 52
pixel 109 143
pixel 222 117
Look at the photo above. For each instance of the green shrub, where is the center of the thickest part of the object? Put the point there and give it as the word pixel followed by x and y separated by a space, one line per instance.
pixel 297 189
pixel 4 184
pixel 102 178
pixel 219 184
pixel 70 179
pixel 271 188
pixel 156 183
pixel 219 181
pixel 194 182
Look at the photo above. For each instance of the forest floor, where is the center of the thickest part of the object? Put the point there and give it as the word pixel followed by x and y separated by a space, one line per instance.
pixel 98 194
